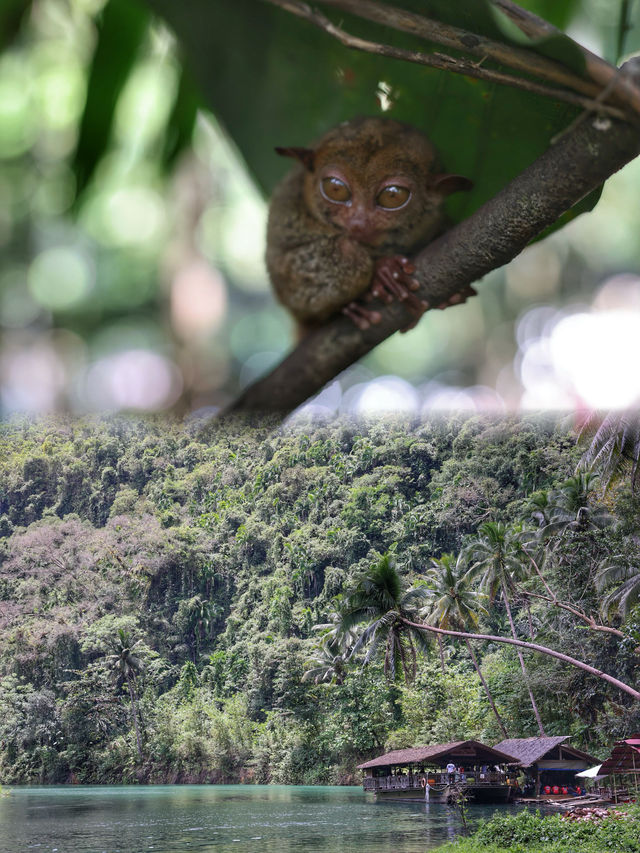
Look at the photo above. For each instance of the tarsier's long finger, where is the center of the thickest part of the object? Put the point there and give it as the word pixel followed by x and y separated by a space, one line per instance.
pixel 409 269
pixel 404 272
pixel 403 293
pixel 458 298
pixel 360 316
pixel 388 286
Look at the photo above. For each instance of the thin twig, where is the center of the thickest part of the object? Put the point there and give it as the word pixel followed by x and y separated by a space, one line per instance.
pixel 625 92
pixel 439 33
pixel 439 60
pixel 600 98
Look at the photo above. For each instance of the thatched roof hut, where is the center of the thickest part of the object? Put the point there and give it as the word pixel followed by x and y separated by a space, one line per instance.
pixel 528 751
pixel 549 761
pixel 438 755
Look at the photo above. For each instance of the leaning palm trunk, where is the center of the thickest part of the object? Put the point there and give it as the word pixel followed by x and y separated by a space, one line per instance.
pixel 525 674
pixel 485 685
pixel 534 647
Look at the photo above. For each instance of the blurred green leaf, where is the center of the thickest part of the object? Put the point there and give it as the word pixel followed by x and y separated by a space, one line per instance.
pixel 558 14
pixel 12 13
pixel 181 120
pixel 625 25
pixel 274 79
pixel 122 28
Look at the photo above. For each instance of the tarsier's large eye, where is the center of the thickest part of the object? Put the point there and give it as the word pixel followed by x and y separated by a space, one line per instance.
pixel 392 197
pixel 336 190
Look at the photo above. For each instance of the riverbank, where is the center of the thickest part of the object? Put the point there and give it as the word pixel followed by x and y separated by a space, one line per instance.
pixel 529 832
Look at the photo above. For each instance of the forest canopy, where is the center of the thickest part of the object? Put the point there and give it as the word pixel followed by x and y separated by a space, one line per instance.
pixel 160 597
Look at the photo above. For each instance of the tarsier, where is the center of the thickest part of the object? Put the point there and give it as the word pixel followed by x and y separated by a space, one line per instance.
pixel 343 222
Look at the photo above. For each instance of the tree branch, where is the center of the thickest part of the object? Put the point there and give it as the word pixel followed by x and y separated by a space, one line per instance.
pixel 441 61
pixel 623 89
pixel 436 32
pixel 578 163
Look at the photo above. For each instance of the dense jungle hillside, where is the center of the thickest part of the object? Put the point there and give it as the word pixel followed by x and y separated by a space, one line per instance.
pixel 161 596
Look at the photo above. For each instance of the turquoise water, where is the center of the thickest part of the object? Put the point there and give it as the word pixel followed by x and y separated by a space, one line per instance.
pixel 220 818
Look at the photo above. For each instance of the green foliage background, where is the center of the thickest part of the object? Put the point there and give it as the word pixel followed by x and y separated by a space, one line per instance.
pixel 218 559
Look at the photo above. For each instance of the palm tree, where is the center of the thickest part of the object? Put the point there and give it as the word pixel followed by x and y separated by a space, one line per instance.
pixel 538 508
pixel 381 601
pixel 387 610
pixel 497 555
pixel 613 446
pixel 129 666
pixel 573 508
pixel 455 605
pixel 624 597
pixel 328 665
pixel 356 610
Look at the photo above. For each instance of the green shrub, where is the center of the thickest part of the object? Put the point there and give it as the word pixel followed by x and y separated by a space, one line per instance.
pixel 529 832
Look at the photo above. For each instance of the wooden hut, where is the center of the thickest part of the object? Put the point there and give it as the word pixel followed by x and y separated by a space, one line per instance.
pixel 421 773
pixel 624 761
pixel 548 762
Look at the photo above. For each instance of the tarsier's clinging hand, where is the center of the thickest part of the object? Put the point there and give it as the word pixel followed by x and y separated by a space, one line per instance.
pixel 342 223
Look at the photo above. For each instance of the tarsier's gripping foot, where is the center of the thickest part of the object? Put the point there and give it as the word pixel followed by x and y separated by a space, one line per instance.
pixel 360 316
pixel 391 281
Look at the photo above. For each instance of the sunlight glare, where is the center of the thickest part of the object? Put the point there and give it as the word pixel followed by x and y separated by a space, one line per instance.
pixel 599 353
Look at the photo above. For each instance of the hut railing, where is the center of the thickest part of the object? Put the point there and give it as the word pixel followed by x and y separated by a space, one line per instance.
pixel 415 780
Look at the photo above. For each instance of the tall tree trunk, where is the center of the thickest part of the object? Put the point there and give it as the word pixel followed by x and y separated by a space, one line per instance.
pixel 134 714
pixel 486 687
pixel 441 650
pixel 525 674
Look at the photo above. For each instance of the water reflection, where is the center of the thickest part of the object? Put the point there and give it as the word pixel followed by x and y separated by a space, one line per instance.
pixel 224 819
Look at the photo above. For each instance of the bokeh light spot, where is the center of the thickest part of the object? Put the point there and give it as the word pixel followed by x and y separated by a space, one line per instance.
pixel 33 375
pixel 385 395
pixel 17 307
pixel 599 354
pixel 132 216
pixel 60 277
pixel 137 379
pixel 198 299
pixel 18 124
pixel 60 89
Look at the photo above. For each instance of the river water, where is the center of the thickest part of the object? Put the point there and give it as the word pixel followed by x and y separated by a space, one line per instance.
pixel 220 819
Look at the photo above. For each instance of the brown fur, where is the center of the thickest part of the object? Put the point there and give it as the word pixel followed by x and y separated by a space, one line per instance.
pixel 321 255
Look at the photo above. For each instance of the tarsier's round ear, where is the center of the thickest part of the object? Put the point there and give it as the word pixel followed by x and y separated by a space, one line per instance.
pixel 447 184
pixel 305 155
